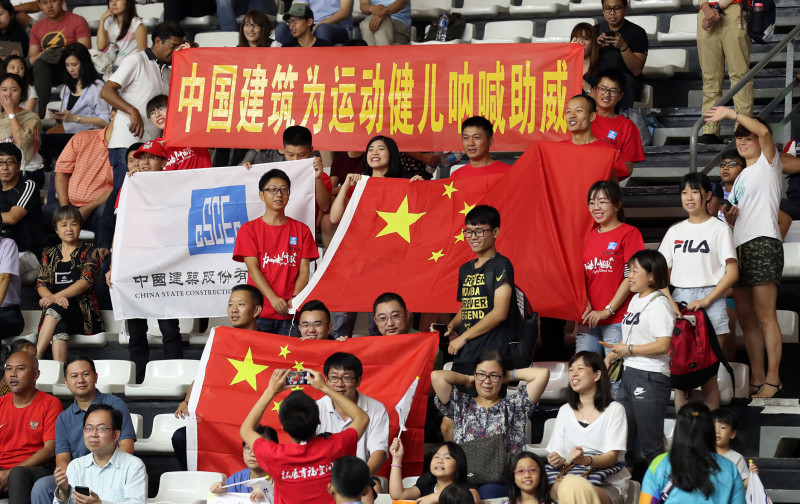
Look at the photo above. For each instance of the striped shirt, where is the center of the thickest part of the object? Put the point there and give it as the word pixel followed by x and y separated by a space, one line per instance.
pixel 85 158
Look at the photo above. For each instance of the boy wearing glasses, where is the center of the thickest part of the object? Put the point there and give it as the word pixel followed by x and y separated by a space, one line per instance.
pixel 488 317
pixel 617 130
pixel 623 46
pixel 178 158
pixel 277 251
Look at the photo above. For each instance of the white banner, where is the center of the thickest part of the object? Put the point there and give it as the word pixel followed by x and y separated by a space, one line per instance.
pixel 173 244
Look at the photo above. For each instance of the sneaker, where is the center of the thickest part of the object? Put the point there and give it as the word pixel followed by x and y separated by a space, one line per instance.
pixel 709 139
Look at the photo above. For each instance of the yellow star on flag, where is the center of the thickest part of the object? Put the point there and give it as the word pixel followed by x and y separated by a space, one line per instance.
pixel 246 370
pixel 284 351
pixel 297 388
pixel 449 190
pixel 298 366
pixel 467 208
pixel 276 406
pixel 435 256
pixel 459 237
pixel 400 221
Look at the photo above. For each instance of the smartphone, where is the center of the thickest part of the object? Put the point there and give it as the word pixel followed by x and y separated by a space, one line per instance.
pixel 297 378
pixel 442 328
pixel 727 203
pixel 611 33
pixel 54 111
pixel 82 490
pixel 606 344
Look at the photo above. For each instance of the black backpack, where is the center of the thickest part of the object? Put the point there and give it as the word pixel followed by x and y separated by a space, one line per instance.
pixel 760 23
pixel 456 24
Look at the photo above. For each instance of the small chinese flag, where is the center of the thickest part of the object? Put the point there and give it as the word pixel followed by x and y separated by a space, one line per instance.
pixel 236 368
pixel 405 237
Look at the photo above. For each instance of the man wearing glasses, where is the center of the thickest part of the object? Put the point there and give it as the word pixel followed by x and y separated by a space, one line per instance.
pixel 277 251
pixel 315 321
pixel 623 45
pixel 300 21
pixel 343 373
pixel 20 208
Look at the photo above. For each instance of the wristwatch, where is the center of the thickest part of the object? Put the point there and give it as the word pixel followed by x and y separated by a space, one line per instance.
pixel 610 310
pixel 11 116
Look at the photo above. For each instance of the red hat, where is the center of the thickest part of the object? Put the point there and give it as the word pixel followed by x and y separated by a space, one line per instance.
pixel 153 147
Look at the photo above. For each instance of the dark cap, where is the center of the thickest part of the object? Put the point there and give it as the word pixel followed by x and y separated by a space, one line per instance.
pixel 298 10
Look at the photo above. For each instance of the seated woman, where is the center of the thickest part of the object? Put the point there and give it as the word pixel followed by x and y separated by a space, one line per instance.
pixel 81 106
pixel 591 429
pixel 255 31
pixel 121 32
pixel 19 126
pixel 527 480
pixel 584 34
pixel 448 467
pixel 15 64
pixel 9 29
pixel 491 412
pixel 692 469
pixel 66 286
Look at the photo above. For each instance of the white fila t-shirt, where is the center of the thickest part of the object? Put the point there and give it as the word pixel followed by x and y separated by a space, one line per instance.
pixel 696 253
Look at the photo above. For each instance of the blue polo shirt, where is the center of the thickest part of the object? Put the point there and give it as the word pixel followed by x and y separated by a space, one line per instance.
pixel 69 425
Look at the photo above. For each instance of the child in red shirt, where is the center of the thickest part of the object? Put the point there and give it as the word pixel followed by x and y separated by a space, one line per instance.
pixel 178 158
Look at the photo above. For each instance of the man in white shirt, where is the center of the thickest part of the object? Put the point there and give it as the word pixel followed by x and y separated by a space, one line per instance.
pixel 106 473
pixel 343 372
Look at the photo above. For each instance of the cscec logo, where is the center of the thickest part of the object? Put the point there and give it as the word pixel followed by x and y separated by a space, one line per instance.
pixel 214 219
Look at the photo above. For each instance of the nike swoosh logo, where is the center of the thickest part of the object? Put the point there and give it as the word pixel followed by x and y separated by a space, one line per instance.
pixel 501 276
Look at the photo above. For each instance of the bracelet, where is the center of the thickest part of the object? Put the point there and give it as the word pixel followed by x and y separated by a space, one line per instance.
pixel 630 350
pixel 623 50
pixel 591 461
pixel 513 375
pixel 735 115
pixel 397 465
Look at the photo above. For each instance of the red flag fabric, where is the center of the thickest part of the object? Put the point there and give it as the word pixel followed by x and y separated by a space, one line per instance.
pixel 236 367
pixel 405 237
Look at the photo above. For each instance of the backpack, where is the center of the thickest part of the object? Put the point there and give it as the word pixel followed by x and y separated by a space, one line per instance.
pixel 696 354
pixel 760 24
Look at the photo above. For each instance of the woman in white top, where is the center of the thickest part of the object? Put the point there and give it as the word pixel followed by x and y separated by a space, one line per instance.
pixel 755 198
pixel 591 429
pixel 646 342
pixel 703 266
pixel 121 30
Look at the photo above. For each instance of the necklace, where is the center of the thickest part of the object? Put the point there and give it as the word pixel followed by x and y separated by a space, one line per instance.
pixel 588 416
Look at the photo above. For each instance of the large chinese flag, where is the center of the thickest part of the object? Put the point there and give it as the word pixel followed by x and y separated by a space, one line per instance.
pixel 236 367
pixel 405 237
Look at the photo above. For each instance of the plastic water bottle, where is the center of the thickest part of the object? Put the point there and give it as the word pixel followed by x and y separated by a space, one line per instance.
pixel 449 159
pixel 441 31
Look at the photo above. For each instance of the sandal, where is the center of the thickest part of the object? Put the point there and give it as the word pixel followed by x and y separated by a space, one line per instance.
pixel 778 390
pixel 757 388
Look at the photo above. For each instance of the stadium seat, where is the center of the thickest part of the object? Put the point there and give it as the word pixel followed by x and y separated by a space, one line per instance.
pixel 358 16
pixel 538 8
pixel 138 425
pixel 742 374
pixel 217 39
pixel 160 440
pixel 637 6
pixel 112 376
pixel 634 491
pixel 180 487
pixel 669 430
pixel 199 22
pixel 663 63
pixel 682 28
pixel 410 481
pixel 482 8
pixel 726 390
pixel 199 339
pixel 558 387
pixel 187 326
pixel 558 30
pixel 49 121
pixel 791 260
pixel 150 14
pixel 586 7
pixel 511 32
pixel 429 9
pixel 787 320
pixel 646 101
pixel 50 373
pixel 648 23
pixel 31 329
pixel 91 13
pixel 794 233
pixel 466 38
pixel 164 379
pixel 540 448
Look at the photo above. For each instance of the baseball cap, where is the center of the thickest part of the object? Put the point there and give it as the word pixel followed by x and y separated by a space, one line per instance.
pixel 153 147
pixel 299 10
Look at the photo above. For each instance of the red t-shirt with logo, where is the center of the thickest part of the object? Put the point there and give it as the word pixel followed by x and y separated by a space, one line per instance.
pixel 23 431
pixel 604 258
pixel 622 134
pixel 279 250
pixel 185 158
pixel 470 171
pixel 46 34
pixel 620 170
pixel 301 472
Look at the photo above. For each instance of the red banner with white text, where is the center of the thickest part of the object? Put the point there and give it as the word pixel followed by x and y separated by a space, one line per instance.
pixel 418 95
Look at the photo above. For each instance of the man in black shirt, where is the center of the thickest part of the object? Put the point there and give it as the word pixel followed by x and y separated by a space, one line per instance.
pixel 20 206
pixel 300 20
pixel 623 45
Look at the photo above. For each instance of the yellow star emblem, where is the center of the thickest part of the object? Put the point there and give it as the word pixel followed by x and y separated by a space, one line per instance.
pixel 449 190
pixel 276 406
pixel 246 370
pixel 284 351
pixel 297 388
pixel 435 256
pixel 459 237
pixel 467 208
pixel 298 366
pixel 400 221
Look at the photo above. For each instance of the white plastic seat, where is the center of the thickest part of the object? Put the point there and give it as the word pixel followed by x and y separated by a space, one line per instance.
pixel 199 22
pixel 682 28
pixel 646 101
pixel 112 376
pixel 540 448
pixel 466 37
pixel 200 339
pixel 669 430
pixel 482 8
pixel 138 425
pixel 91 13
pixel 507 32
pixel 410 481
pixel 634 490
pixel 151 13
pixel 30 331
pixel 726 391
pixel 791 260
pixel 180 487
pixel 50 373
pixel 49 121
pixel 164 379
pixel 358 16
pixel 648 23
pixel 663 63
pixel 160 440
pixel 654 5
pixel 217 39
pixel 186 326
pixel 558 30
pixel 742 374
pixel 557 390
pixel 586 7
pixel 429 9
pixel 788 322
pixel 538 8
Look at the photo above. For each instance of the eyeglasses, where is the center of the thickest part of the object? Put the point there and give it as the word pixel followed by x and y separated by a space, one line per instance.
pixel 493 378
pixel 9 163
pixel 345 379
pixel 294 20
pixel 247 449
pixel 316 325
pixel 530 470
pixel 598 204
pixel 382 319
pixel 250 25
pixel 157 110
pixel 722 164
pixel 174 45
pixel 612 92
pixel 99 429
pixel 615 8
pixel 468 233
pixel 275 190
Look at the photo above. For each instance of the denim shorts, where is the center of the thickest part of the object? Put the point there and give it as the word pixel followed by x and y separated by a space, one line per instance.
pixel 588 338
pixel 716 311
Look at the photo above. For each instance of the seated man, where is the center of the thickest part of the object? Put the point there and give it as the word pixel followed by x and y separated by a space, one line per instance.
pixel 388 22
pixel 477 136
pixel 11 321
pixel 80 376
pixel 623 46
pixel 391 315
pixel 343 373
pixel 28 435
pixel 300 23
pixel 581 113
pixel 314 321
pixel 110 474
pixel 334 22
pixel 617 130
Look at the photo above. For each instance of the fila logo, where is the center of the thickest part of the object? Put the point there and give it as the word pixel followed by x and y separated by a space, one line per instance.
pixel 638 391
pixel 687 247
pixel 631 318
pixel 34 425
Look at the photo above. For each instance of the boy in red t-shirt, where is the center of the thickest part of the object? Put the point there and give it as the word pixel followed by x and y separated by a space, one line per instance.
pixel 477 136
pixel 277 251
pixel 178 158
pixel 301 469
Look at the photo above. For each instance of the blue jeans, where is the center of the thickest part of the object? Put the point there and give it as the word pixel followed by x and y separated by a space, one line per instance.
pixel 118 161
pixel 274 326
pixel 43 490
pixel 335 34
pixel 492 491
pixel 227 10
pixel 588 339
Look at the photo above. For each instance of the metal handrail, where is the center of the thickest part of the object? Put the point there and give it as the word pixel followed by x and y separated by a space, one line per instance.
pixel 735 89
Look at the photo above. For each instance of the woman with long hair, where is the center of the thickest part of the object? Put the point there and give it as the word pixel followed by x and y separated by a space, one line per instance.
pixel 255 30
pixel 527 480
pixel 584 34
pixel 121 31
pixel 81 106
pixel 9 29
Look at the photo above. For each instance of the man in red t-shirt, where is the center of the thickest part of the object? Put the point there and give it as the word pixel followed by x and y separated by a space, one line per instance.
pixel 611 127
pixel 477 136
pixel 178 158
pixel 301 469
pixel 580 113
pixel 277 251
pixel 27 429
